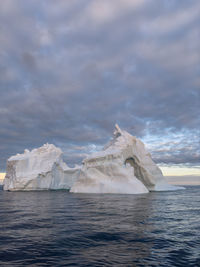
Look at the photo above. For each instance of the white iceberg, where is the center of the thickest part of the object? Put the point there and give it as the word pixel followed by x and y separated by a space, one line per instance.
pixel 124 166
pixel 40 169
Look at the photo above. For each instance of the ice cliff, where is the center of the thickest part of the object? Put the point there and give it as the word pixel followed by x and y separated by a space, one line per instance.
pixel 40 169
pixel 124 167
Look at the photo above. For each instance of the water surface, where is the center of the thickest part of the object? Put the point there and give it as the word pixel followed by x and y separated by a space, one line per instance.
pixel 56 228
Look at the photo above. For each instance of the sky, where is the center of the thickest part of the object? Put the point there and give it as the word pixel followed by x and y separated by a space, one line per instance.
pixel 70 70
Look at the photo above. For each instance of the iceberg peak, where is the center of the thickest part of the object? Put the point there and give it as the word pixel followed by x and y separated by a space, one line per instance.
pixel 117 130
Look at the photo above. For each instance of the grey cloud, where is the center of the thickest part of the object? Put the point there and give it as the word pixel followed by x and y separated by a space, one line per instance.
pixel 70 70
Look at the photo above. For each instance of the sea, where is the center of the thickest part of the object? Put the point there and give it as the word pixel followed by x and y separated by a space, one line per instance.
pixel 58 228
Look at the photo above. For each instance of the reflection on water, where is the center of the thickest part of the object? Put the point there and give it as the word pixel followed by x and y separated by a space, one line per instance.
pixel 57 228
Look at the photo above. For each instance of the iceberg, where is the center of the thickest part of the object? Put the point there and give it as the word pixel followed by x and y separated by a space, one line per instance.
pixel 40 169
pixel 123 166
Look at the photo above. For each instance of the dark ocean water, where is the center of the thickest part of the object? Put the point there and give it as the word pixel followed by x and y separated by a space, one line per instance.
pixel 56 228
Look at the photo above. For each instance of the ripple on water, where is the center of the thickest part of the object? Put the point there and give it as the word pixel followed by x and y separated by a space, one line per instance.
pixel 62 229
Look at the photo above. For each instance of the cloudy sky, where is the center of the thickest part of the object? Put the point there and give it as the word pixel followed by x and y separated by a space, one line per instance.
pixel 70 70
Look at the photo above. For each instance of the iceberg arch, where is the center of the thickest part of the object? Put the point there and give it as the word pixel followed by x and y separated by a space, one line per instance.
pixel 123 161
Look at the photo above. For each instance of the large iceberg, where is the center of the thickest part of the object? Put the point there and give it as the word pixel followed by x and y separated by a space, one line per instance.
pixel 40 169
pixel 124 166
